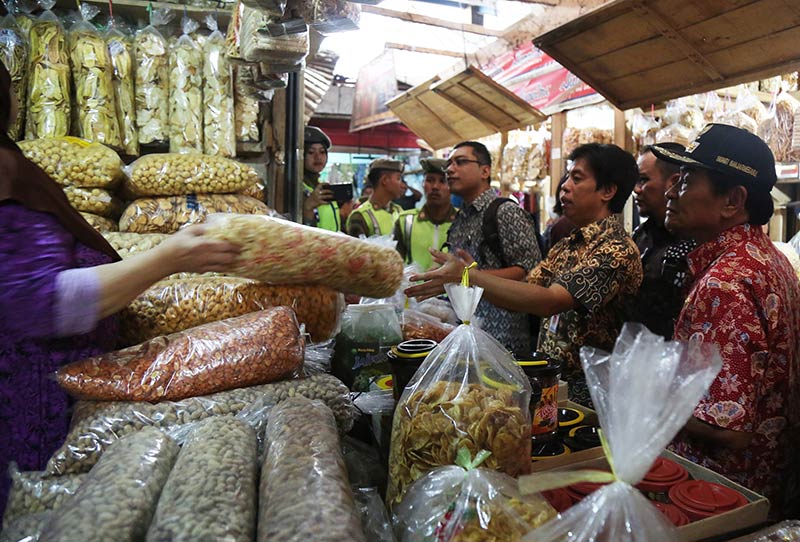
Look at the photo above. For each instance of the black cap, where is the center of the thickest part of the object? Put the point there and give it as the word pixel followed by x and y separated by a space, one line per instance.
pixel 312 134
pixel 732 151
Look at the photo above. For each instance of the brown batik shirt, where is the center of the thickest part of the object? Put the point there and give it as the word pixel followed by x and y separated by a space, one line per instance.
pixel 599 266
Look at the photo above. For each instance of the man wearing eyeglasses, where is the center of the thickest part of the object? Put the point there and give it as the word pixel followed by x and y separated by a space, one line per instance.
pixel 511 255
pixel 660 297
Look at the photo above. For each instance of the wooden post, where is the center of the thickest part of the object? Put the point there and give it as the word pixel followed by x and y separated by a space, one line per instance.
pixel 623 139
pixel 558 123
pixel 276 179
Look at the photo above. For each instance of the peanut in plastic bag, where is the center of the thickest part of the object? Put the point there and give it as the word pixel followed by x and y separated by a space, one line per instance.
pixel 92 72
pixel 119 496
pixel 469 393
pixel 464 502
pixel 71 161
pixel 644 392
pixel 278 251
pixel 252 349
pixel 93 200
pixel 170 306
pixel 27 528
pixel 33 492
pixel 14 55
pixel 120 50
pixel 151 53
pixel 169 214
pixel 219 131
pixel 49 103
pixel 186 92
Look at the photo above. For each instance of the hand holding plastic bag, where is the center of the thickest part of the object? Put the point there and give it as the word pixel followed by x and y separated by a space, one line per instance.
pixel 644 393
pixel 462 503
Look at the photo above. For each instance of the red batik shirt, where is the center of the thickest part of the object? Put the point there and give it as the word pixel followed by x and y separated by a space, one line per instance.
pixel 745 298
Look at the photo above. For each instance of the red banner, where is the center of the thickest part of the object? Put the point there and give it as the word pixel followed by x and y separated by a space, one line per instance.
pixel 535 77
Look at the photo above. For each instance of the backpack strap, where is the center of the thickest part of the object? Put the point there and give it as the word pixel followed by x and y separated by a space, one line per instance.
pixel 491 232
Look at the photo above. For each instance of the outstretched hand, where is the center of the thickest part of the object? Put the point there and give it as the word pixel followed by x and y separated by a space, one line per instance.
pixel 452 266
pixel 189 250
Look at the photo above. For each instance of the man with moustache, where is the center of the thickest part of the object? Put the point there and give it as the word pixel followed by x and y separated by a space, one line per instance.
pixel 660 298
pixel 745 299
pixel 419 230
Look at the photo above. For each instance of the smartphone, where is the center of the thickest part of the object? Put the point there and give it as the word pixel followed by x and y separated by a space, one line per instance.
pixel 341 192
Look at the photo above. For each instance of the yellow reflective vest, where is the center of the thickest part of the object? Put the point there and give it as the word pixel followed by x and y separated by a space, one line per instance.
pixel 417 233
pixel 378 221
pixel 327 216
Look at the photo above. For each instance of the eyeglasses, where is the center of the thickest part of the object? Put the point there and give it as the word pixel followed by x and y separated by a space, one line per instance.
pixel 461 162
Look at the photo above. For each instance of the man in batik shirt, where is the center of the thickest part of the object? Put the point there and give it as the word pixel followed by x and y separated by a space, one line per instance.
pixel 745 299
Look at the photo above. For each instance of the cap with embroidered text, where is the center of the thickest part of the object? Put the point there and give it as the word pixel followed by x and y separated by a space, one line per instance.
pixel 729 150
pixel 433 165
pixel 385 163
pixel 312 134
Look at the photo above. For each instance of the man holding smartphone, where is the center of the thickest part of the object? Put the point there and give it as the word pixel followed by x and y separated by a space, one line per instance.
pixel 377 215
pixel 320 208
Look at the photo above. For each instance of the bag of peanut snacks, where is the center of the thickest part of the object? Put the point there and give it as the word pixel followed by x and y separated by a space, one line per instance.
pixel 468 393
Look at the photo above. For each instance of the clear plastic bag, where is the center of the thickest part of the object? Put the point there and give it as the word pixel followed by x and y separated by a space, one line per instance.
pixel 211 493
pixel 644 392
pixel 318 356
pixel 462 502
pixel 278 251
pixel 33 492
pixel 778 127
pixel 129 244
pixel 233 35
pixel 219 131
pixel 118 498
pixel 96 425
pixel 93 200
pixel 169 214
pixel 304 491
pixel 264 41
pixel 92 73
pixel 151 53
pixel 74 162
pixel 186 92
pixel 439 309
pixel 418 325
pixel 183 174
pixel 474 371
pixel 48 110
pixel 100 223
pixel 246 107
pixel 120 50
pixel 27 528
pixel 256 348
pixel 14 55
pixel 377 526
pixel 170 306
pixel 272 8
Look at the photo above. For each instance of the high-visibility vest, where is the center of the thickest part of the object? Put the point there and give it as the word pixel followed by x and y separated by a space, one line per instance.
pixel 327 215
pixel 378 221
pixel 420 234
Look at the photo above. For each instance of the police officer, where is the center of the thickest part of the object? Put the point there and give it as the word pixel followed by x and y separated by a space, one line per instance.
pixel 418 230
pixel 377 215
pixel 319 207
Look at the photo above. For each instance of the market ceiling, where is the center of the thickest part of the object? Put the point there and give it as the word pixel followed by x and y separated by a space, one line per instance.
pixel 640 52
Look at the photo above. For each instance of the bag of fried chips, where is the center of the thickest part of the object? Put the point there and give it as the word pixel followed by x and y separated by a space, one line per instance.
pixel 469 393
pixel 462 503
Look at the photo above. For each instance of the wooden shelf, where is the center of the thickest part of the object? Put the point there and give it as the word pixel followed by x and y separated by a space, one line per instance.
pixel 137 9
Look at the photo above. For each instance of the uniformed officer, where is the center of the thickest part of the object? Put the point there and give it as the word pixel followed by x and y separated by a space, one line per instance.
pixel 319 207
pixel 419 230
pixel 377 215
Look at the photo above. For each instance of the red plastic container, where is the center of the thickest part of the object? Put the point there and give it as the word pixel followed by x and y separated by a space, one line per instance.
pixel 581 490
pixel 699 499
pixel 558 498
pixel 673 513
pixel 660 478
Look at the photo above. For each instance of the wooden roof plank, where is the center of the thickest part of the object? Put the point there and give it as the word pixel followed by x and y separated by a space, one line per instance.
pixel 430 21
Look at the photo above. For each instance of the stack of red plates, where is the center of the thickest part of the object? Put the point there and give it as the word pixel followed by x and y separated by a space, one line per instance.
pixel 582 489
pixel 699 499
pixel 660 478
pixel 673 513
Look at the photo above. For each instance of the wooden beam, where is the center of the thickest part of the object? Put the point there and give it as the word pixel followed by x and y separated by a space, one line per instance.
pixel 426 50
pixel 430 21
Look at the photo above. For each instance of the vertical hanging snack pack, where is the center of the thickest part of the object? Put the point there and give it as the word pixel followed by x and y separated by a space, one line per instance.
pixel 49 101
pixel 245 107
pixel 94 90
pixel 186 92
pixel 151 53
pixel 468 393
pixel 120 49
pixel 14 55
pixel 219 135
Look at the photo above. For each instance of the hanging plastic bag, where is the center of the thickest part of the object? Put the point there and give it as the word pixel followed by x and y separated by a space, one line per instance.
pixel 778 127
pixel 644 392
pixel 468 392
pixel 418 325
pixel 265 41
pixel 272 8
pixel 94 91
pixel 151 53
pixel 245 107
pixel 186 92
pixel 14 55
pixel 219 135
pixel 23 13
pixel 464 502
pixel 49 102
pixel 233 36
pixel 120 50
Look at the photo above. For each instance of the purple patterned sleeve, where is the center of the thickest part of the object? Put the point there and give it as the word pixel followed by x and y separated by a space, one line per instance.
pixel 77 302
pixel 34 250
